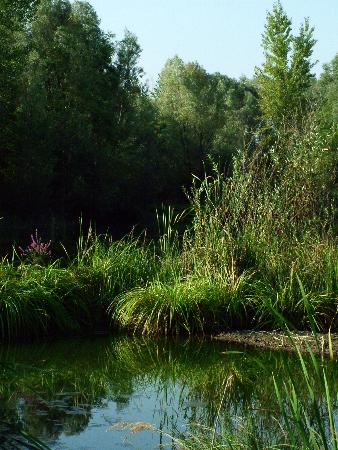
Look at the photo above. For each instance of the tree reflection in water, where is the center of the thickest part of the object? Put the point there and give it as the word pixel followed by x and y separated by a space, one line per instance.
pixel 55 390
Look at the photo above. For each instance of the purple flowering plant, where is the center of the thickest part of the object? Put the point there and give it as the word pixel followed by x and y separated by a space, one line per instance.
pixel 37 252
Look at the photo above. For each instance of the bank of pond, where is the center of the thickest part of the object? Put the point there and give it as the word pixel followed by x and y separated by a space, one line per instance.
pixel 128 392
pixel 126 285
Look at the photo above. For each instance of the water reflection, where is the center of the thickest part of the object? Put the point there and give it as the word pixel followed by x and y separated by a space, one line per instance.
pixel 107 393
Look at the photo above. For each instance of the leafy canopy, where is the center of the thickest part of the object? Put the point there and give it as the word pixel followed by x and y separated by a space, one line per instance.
pixel 285 76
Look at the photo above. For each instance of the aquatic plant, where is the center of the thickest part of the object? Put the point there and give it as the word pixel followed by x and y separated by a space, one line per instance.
pixel 185 305
pixel 70 295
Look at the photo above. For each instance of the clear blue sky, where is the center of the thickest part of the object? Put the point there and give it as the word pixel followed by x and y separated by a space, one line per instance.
pixel 222 35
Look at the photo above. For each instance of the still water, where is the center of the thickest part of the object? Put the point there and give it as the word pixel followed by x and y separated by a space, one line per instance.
pixel 123 392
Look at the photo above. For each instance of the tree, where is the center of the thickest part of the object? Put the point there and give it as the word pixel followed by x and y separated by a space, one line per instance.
pixel 65 107
pixel 84 129
pixel 200 114
pixel 327 87
pixel 285 76
pixel 326 91
pixel 14 15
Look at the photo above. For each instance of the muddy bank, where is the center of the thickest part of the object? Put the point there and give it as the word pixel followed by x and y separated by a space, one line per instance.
pixel 277 340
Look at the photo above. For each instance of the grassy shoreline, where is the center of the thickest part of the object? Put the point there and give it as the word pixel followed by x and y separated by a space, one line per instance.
pixel 127 285
pixel 260 249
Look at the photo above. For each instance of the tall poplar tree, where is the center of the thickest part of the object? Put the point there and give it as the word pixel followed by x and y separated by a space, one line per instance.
pixel 285 76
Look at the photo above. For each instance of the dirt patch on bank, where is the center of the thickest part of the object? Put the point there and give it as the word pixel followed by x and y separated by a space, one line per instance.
pixel 277 340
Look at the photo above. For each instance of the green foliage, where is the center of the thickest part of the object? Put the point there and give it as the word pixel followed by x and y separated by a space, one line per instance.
pixel 261 244
pixel 181 306
pixel 45 300
pixel 76 115
pixel 201 114
pixel 82 134
pixel 65 79
pixel 13 18
pixel 284 78
pixel 328 89
pixel 326 94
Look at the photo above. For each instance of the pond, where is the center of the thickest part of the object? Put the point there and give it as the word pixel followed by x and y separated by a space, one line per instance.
pixel 127 392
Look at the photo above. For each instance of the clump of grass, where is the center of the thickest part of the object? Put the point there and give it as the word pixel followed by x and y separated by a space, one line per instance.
pixel 36 300
pixel 204 438
pixel 190 305
pixel 114 266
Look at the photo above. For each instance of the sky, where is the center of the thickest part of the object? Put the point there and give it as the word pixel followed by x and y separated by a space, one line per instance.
pixel 221 35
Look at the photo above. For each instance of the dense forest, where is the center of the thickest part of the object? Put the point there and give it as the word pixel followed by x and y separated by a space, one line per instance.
pixel 83 135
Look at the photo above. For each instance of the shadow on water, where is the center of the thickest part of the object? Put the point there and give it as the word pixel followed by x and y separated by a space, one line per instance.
pixel 113 392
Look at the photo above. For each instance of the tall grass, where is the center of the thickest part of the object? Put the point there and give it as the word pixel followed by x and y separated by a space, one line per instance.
pixel 261 238
pixel 70 295
pixel 180 306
